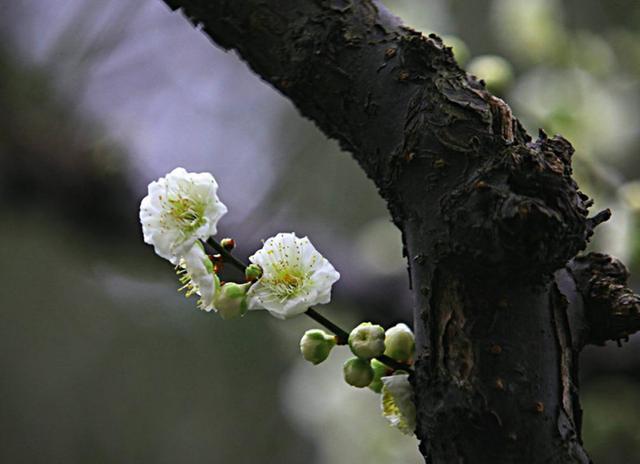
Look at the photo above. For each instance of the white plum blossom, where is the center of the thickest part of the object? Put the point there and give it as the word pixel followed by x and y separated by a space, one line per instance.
pixel 198 277
pixel 180 209
pixel 398 403
pixel 295 276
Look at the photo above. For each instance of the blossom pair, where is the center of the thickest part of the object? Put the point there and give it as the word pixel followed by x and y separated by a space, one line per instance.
pixel 287 275
pixel 181 212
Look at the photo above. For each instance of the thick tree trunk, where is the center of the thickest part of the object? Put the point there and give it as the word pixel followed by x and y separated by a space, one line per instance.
pixel 488 217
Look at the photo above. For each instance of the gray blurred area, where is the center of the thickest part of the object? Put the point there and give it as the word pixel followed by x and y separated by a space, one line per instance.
pixel 103 361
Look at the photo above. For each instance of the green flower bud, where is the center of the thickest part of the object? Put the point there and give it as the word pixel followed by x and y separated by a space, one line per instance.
pixel 400 343
pixel 253 272
pixel 496 72
pixel 367 340
pixel 379 370
pixel 316 344
pixel 231 300
pixel 357 372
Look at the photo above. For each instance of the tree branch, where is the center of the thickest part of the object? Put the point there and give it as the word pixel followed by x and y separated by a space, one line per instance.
pixel 487 215
pixel 309 51
pixel 611 308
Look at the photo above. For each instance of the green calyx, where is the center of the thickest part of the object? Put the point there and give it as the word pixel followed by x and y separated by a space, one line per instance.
pixel 253 272
pixel 231 300
pixel 208 264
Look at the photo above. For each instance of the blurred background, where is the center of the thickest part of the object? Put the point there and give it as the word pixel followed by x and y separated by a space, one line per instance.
pixel 103 361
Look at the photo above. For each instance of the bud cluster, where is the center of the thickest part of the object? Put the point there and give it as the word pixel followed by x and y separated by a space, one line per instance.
pixel 371 346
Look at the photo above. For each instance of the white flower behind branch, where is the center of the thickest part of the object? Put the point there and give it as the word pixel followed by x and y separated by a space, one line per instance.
pixel 398 403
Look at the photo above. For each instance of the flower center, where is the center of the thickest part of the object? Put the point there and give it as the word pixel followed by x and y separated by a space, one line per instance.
pixel 187 212
pixel 287 283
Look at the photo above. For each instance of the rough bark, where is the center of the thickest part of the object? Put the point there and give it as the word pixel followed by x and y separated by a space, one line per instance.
pixel 488 216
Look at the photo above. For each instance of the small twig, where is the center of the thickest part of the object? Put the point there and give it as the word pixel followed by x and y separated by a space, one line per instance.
pixel 611 308
pixel 393 364
pixel 342 335
pixel 226 256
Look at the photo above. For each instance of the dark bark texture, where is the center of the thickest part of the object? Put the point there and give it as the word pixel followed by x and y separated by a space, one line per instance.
pixel 491 220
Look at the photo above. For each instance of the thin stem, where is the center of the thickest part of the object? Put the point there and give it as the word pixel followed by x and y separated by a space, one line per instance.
pixel 226 256
pixel 341 334
pixel 393 364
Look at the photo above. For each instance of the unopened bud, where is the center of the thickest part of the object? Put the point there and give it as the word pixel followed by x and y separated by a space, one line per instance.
pixel 400 343
pixel 253 272
pixel 367 340
pixel 228 243
pixel 231 300
pixel 357 372
pixel 316 344
pixel 379 370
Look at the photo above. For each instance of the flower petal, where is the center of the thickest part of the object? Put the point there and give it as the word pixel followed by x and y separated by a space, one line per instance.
pixel 398 404
pixel 295 276
pixel 180 209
